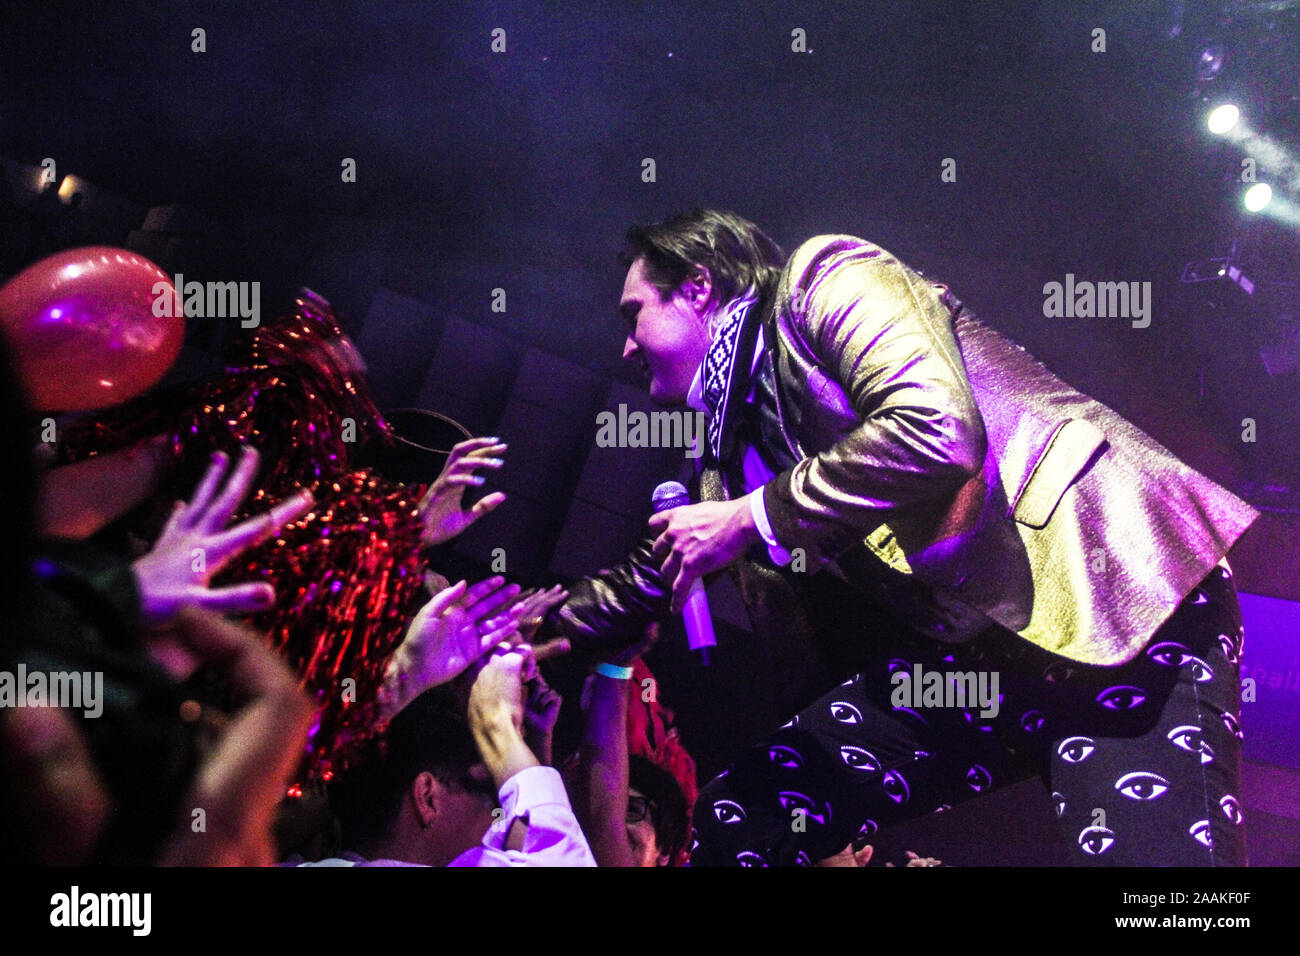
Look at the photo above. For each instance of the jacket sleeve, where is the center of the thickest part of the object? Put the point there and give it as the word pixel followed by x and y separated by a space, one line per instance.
pixel 877 330
pixel 612 607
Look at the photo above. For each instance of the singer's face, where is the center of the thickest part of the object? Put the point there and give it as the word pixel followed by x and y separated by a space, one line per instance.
pixel 666 340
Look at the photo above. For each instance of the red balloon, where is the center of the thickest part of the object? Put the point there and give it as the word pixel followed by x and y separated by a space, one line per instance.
pixel 84 329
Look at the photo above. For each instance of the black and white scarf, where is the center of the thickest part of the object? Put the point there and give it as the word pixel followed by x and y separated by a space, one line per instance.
pixel 727 368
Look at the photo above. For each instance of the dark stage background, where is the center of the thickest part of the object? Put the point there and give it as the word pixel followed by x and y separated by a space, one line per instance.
pixel 520 170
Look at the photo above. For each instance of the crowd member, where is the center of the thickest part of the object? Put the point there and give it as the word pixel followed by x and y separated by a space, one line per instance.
pixel 67 803
pixel 152 596
pixel 658 816
pixel 442 789
pixel 861 417
pixel 351 572
pixel 116 781
pixel 632 809
pixel 466 732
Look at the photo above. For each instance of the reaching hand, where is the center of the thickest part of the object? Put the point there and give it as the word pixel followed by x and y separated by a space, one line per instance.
pixel 241 780
pixel 535 605
pixel 448 634
pixel 441 508
pixel 64 804
pixel 193 547
pixel 848 857
pixel 497 695
pixel 541 712
pixel 496 717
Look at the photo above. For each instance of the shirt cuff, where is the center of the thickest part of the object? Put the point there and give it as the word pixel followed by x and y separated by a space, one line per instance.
pixel 553 837
pixel 530 788
pixel 779 555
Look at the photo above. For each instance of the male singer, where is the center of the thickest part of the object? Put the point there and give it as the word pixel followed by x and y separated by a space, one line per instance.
pixel 866 430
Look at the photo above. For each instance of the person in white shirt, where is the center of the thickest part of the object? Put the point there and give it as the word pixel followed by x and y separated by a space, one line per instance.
pixel 453 783
pixel 453 791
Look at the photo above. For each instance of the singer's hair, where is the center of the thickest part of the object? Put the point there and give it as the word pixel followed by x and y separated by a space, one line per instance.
pixel 740 257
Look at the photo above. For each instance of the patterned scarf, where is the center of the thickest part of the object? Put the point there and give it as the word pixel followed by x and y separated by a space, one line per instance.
pixel 726 369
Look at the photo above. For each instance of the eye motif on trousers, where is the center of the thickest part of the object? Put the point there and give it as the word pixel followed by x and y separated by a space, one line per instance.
pixel 1142 785
pixel 1075 749
pixel 1095 841
pixel 1192 739
pixel 1231 808
pixel 1172 654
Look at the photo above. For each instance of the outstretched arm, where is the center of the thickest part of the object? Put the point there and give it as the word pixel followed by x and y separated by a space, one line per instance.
pixel 612 607
pixel 601 777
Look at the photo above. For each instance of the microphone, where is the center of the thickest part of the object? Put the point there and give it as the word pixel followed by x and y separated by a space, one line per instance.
pixel 695 612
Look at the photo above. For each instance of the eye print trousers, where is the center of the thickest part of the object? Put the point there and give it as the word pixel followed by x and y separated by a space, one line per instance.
pixel 1141 761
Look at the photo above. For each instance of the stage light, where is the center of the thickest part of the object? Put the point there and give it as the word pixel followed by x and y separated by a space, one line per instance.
pixel 1223 118
pixel 1258 196
pixel 68 187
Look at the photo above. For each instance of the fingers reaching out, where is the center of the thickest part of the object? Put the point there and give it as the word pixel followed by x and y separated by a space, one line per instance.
pixel 469 456
pixel 442 509
pixel 196 544
pixel 242 779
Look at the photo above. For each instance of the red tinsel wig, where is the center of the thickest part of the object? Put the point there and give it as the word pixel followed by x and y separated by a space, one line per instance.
pixel 347 576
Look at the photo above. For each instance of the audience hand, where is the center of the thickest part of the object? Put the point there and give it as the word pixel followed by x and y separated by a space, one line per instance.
pixel 242 779
pixel 534 605
pixel 496 698
pixel 541 712
pixel 448 634
pixel 441 508
pixel 914 860
pixel 847 857
pixel 193 546
pixel 496 712
pixel 64 805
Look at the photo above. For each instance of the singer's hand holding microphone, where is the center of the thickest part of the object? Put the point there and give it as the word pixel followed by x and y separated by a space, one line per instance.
pixel 695 540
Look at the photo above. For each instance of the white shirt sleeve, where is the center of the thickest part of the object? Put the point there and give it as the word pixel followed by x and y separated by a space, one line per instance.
pixel 553 838
pixel 779 555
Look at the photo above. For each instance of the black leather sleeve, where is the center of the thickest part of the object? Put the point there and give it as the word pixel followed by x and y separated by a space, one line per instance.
pixel 611 608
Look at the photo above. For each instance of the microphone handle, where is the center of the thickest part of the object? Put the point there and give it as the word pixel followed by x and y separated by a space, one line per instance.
pixel 699 625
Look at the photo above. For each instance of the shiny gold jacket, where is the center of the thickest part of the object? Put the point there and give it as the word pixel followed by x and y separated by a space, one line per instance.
pixel 942 467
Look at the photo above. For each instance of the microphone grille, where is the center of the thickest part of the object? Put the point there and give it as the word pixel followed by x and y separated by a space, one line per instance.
pixel 670 494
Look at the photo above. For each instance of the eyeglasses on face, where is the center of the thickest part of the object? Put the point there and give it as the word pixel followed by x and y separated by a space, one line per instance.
pixel 639 808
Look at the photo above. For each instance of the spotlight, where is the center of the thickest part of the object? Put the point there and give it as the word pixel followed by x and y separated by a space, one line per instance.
pixel 68 187
pixel 1258 196
pixel 1223 118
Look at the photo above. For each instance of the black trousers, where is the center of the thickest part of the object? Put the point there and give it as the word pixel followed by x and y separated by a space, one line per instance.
pixel 1142 761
